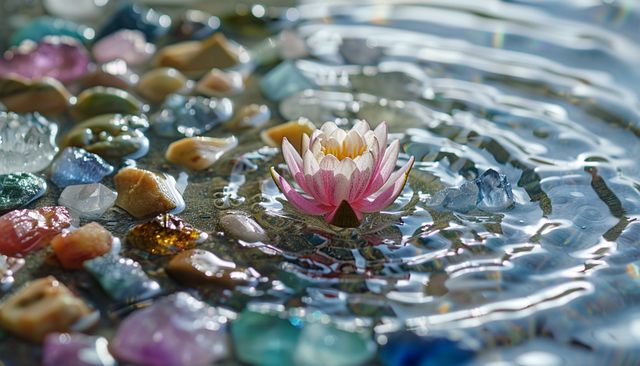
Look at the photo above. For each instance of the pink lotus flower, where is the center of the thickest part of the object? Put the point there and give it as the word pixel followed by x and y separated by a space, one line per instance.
pixel 345 173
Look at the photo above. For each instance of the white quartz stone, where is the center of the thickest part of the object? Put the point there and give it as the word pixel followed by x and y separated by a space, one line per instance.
pixel 88 200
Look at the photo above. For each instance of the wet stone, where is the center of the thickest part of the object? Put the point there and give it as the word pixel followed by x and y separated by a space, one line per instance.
pixel 8 267
pixel 243 228
pixel 78 166
pixel 197 267
pixel 143 193
pixel 44 306
pixel 17 93
pixel 60 57
pixel 291 130
pixel 41 27
pixel 24 231
pixel 191 116
pixel 88 200
pixel 158 83
pixel 199 152
pixel 76 349
pixel 196 25
pixel 111 136
pixel 128 45
pixel 99 100
pixel 219 83
pixel 122 278
pixel 27 143
pixel 138 17
pixel 423 351
pixel 165 235
pixel 253 115
pixel 73 248
pixel 19 189
pixel 178 330
pixel 116 74
pixel 284 80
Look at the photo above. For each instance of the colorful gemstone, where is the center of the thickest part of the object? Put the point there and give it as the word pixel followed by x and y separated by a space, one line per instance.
pixel 158 83
pixel 73 248
pixel 41 27
pixel 196 267
pixel 27 143
pixel 191 116
pixel 126 44
pixel 122 278
pixel 88 200
pixel 284 80
pixel 219 83
pixel 18 189
pixel 136 16
pixel 78 166
pixel 75 349
pixel 165 235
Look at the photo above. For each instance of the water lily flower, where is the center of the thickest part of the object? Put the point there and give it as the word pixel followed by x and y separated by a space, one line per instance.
pixel 343 173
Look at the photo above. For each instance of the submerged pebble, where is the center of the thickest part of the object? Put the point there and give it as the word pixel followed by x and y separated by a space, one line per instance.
pixel 45 305
pixel 243 228
pixel 197 267
pixel 164 235
pixel 18 189
pixel 143 193
pixel 200 152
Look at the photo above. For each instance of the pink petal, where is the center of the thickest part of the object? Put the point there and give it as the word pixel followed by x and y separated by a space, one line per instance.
pixel 366 168
pixel 294 162
pixel 384 170
pixel 385 197
pixel 314 178
pixel 309 206
pixel 343 175
pixel 328 165
pixel 381 134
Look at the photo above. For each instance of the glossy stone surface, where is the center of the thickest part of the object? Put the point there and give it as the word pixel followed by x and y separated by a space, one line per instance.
pixel 73 248
pixel 76 349
pixel 264 340
pixel 143 193
pixel 60 57
pixel 198 57
pixel 78 166
pixel 99 100
pixel 293 131
pixel 122 278
pixel 44 306
pixel 199 152
pixel 197 267
pixel 111 136
pixel 24 231
pixel 323 344
pixel 176 331
pixel 126 44
pixel 284 80
pixel 27 143
pixel 115 74
pixel 41 27
pixel 8 267
pixel 138 17
pixel 243 228
pixel 76 9
pixel 88 200
pixel 253 115
pixel 219 83
pixel 191 116
pixel 158 83
pixel 17 93
pixel 408 349
pixel 165 235
pixel 195 25
pixel 18 189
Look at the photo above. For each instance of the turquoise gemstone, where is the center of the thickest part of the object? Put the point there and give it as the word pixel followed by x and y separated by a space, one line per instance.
pixel 18 189
pixel 48 26
pixel 284 80
pixel 264 340
pixel 122 278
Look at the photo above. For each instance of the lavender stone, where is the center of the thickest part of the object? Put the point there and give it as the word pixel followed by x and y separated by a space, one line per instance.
pixel 176 331
pixel 76 349
pixel 77 166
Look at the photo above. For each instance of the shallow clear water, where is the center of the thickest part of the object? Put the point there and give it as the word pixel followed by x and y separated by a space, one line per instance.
pixel 544 92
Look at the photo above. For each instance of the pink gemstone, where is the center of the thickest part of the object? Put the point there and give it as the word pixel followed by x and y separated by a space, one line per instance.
pixel 24 231
pixel 75 349
pixel 176 331
pixel 60 57
pixel 128 45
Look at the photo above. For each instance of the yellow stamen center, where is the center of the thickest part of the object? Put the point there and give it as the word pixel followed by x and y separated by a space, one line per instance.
pixel 342 152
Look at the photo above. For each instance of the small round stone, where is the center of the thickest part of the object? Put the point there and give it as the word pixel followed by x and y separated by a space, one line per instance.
pixel 196 267
pixel 243 228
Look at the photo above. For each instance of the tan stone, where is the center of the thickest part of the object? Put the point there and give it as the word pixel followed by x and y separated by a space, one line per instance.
pixel 199 152
pixel 218 83
pixel 156 84
pixel 199 267
pixel 44 306
pixel 214 51
pixel 18 95
pixel 75 247
pixel 143 193
pixel 293 131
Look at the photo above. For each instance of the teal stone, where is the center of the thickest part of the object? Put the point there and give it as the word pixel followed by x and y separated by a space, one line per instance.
pixel 264 340
pixel 122 278
pixel 49 26
pixel 285 80
pixel 18 189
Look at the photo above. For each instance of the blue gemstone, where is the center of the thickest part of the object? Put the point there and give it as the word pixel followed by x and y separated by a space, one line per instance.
pixel 408 349
pixel 135 16
pixel 122 278
pixel 77 166
pixel 191 116
pixel 284 80
pixel 48 26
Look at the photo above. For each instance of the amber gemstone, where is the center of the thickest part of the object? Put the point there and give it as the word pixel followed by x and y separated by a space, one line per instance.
pixel 44 306
pixel 165 235
pixel 88 242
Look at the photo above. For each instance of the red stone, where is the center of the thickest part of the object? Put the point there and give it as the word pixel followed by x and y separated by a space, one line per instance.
pixel 24 231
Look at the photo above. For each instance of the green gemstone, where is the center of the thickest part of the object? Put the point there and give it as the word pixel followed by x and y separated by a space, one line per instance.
pixel 100 100
pixel 264 340
pixel 18 189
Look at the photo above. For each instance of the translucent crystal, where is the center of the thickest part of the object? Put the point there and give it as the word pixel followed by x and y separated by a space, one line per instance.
pixel 88 200
pixel 77 166
pixel 165 235
pixel 284 80
pixel 494 192
pixel 27 143
pixel 122 278
pixel 76 349
pixel 191 116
